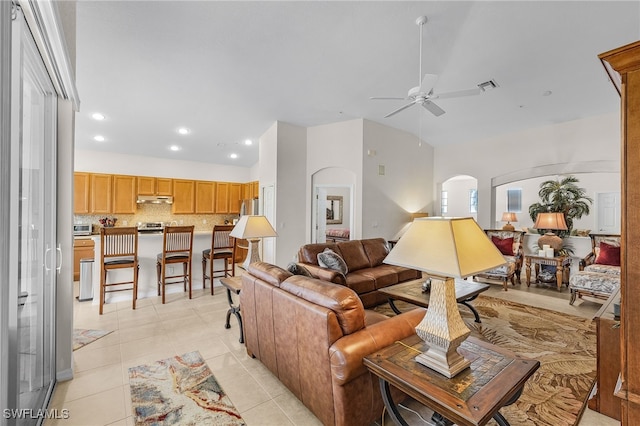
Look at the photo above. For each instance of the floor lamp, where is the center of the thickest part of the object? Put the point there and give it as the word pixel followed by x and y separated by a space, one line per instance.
pixel 444 248
pixel 252 228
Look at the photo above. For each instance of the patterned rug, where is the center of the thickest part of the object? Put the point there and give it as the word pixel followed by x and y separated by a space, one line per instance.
pixel 82 337
pixel 180 390
pixel 565 345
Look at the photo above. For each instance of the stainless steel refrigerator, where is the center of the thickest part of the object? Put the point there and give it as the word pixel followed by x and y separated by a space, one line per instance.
pixel 249 207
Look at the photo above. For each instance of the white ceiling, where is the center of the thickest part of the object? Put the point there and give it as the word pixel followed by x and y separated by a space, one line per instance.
pixel 229 70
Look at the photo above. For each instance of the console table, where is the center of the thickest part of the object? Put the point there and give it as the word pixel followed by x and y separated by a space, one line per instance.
pixel 562 264
pixel 495 379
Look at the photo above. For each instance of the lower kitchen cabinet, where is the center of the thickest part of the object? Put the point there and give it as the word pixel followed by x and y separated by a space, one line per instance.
pixel 82 248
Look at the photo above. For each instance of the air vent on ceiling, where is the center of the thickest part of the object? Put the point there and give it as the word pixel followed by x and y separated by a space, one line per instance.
pixel 488 85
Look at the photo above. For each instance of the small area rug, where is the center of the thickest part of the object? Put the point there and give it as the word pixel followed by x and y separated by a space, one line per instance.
pixel 565 345
pixel 82 337
pixel 180 390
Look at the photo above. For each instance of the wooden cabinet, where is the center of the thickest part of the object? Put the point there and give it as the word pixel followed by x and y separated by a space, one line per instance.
pixel 100 193
pixel 183 196
pixel 205 197
pixel 222 197
pixel 235 195
pixel 246 191
pixel 148 185
pixel 82 248
pixel 255 189
pixel 80 193
pixel 124 194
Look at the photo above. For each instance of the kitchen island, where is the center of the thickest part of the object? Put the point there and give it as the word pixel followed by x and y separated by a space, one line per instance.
pixel 149 246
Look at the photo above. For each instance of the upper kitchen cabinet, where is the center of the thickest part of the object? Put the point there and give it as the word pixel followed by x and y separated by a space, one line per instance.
pixel 183 196
pixel 205 196
pixel 235 195
pixel 148 185
pixel 100 193
pixel 222 197
pixel 255 189
pixel 80 193
pixel 124 194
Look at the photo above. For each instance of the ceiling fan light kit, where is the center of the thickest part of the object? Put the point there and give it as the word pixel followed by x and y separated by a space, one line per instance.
pixel 423 93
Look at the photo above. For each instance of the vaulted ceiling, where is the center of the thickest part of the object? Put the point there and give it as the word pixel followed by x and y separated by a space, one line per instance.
pixel 228 70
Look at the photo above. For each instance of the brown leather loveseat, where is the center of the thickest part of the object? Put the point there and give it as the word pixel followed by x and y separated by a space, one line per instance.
pixel 366 272
pixel 312 335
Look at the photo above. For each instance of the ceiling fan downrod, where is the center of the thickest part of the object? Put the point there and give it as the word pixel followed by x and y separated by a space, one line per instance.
pixel 420 22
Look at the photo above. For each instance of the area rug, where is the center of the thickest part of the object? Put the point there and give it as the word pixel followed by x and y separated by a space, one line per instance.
pixel 180 390
pixel 565 345
pixel 82 337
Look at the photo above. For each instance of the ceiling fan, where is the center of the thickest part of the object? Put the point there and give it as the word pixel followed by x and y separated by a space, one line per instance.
pixel 423 93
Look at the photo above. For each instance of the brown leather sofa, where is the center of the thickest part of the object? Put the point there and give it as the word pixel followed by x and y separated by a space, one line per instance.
pixel 312 335
pixel 366 272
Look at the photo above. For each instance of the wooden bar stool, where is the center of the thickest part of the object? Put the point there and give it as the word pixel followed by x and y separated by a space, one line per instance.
pixel 177 247
pixel 118 249
pixel 222 247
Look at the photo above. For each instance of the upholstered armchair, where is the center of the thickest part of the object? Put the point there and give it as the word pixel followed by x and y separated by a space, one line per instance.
pixel 599 274
pixel 510 245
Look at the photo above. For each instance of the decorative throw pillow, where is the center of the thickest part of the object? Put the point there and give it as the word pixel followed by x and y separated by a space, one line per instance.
pixel 609 255
pixel 332 260
pixel 505 245
pixel 297 269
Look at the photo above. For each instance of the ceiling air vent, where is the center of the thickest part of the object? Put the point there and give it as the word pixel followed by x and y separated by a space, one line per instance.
pixel 488 85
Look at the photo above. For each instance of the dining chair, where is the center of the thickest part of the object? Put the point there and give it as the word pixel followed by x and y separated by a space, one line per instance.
pixel 118 250
pixel 177 248
pixel 223 248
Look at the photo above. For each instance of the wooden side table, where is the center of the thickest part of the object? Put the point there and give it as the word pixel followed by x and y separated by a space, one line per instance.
pixel 495 379
pixel 233 284
pixel 562 264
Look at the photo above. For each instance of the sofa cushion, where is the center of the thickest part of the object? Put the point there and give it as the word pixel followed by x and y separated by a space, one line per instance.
pixel 383 275
pixel 360 283
pixel 406 274
pixel 343 301
pixel 308 253
pixel 297 269
pixel 594 281
pixel 608 255
pixel 269 273
pixel 376 250
pixel 332 260
pixel 505 245
pixel 603 269
pixel 353 253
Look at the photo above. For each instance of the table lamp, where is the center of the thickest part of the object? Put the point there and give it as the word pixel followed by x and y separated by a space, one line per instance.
pixel 551 222
pixel 252 228
pixel 444 248
pixel 509 217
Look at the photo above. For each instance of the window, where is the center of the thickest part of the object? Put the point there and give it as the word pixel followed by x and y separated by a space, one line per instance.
pixel 514 200
pixel 444 202
pixel 473 201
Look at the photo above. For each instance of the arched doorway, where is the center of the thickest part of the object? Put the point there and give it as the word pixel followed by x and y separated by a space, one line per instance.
pixel 459 197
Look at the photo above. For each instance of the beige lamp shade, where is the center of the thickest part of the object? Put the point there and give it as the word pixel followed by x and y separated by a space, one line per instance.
pixel 250 227
pixel 553 221
pixel 509 217
pixel 446 247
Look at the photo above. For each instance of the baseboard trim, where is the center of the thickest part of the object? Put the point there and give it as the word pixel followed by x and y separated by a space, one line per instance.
pixel 64 375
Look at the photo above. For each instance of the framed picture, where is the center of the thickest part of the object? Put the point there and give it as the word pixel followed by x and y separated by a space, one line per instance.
pixel 334 209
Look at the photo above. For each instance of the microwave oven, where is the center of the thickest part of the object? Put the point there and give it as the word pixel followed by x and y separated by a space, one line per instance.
pixel 82 229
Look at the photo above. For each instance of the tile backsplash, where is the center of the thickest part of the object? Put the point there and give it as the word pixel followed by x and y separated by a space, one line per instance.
pixel 158 213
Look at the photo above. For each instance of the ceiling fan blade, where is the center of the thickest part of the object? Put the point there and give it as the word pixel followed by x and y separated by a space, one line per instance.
pixel 456 94
pixel 400 109
pixel 384 98
pixel 433 108
pixel 428 81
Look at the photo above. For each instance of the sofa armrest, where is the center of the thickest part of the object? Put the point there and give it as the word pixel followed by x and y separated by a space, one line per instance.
pixel 347 352
pixel 324 274
pixel 587 260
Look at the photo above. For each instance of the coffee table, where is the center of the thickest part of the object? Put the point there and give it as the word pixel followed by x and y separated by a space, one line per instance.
pixel 495 378
pixel 411 292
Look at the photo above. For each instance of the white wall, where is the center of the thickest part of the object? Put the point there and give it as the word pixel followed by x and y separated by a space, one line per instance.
pixel 407 183
pixel 113 163
pixel 591 144
pixel 458 196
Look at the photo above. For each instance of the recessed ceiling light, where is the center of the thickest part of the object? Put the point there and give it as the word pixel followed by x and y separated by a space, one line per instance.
pixel 184 131
pixel 97 116
pixel 98 138
pixel 233 155
pixel 175 148
pixel 248 142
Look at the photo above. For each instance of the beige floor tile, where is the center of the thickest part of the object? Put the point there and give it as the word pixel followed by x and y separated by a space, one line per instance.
pixel 147 345
pixel 87 358
pixel 110 339
pixel 208 348
pixel 93 381
pixel 99 409
pixel 140 332
pixel 243 390
pixel 295 410
pixel 266 414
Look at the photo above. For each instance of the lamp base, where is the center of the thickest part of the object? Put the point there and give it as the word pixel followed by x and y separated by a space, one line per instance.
pixel 552 240
pixel 443 329
pixel 508 227
pixel 253 255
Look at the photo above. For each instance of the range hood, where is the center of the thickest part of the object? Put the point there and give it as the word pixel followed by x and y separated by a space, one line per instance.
pixel 154 199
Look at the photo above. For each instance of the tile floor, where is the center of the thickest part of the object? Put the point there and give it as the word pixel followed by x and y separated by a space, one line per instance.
pixel 99 393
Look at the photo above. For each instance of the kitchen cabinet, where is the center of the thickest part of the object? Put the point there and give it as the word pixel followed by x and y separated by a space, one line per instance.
pixel 222 197
pixel 183 196
pixel 246 191
pixel 124 194
pixel 80 193
pixel 205 197
pixel 100 193
pixel 148 185
pixel 255 189
pixel 235 195
pixel 82 248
